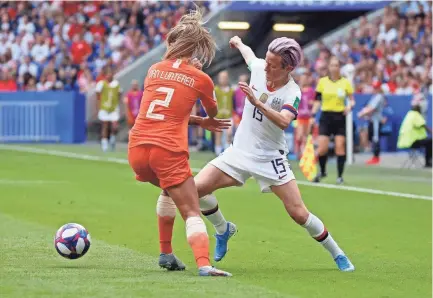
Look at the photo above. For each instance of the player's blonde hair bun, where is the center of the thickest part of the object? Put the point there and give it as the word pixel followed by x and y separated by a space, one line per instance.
pixel 190 39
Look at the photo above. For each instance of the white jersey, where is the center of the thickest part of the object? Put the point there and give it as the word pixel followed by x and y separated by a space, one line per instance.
pixel 256 135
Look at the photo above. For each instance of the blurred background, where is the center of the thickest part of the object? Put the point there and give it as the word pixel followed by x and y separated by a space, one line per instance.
pixel 54 53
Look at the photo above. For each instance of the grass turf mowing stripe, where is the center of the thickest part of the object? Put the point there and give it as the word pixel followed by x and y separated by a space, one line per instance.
pixel 30 267
pixel 124 161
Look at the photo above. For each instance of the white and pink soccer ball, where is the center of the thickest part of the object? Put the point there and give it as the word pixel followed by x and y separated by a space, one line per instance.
pixel 72 241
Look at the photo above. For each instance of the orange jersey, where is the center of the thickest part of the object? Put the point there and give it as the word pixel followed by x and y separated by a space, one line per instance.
pixel 171 89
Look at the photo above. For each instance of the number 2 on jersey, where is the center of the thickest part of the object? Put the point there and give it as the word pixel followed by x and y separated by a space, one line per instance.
pixel 159 102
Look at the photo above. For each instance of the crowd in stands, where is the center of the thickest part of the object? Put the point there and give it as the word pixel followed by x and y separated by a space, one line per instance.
pixel 59 45
pixel 394 50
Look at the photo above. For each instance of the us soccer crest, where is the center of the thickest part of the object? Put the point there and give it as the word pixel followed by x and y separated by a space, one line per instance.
pixel 277 104
pixel 263 98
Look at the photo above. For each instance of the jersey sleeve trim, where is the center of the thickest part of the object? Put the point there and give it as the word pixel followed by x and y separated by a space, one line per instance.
pixel 291 109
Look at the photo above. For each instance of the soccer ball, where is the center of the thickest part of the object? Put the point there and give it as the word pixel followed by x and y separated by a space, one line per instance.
pixel 72 241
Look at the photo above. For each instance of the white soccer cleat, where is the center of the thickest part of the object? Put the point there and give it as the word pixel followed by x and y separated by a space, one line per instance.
pixel 212 271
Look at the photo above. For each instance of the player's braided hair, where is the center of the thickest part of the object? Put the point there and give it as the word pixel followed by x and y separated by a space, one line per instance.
pixel 289 50
pixel 189 38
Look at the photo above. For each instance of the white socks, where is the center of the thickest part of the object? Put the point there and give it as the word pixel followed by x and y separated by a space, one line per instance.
pixel 218 150
pixel 112 140
pixel 209 208
pixel 104 144
pixel 317 230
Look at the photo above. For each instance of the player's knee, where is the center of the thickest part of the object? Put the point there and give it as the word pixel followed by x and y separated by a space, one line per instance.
pixel 340 150
pixel 165 207
pixel 298 213
pixel 208 203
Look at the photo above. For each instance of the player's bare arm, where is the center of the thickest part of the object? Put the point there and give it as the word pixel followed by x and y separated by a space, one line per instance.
pixel 211 124
pixel 281 119
pixel 365 112
pixel 246 51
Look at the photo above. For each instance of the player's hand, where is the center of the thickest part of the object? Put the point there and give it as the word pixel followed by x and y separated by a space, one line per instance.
pixel 215 125
pixel 235 41
pixel 196 63
pixel 249 93
pixel 312 121
pixel 347 110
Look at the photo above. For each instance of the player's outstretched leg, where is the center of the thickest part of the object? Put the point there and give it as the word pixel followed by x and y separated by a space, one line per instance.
pixel 166 212
pixel 224 229
pixel 291 198
pixel 186 199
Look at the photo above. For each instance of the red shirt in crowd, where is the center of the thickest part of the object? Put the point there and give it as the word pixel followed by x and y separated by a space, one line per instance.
pixel 75 29
pixel 70 7
pixel 80 50
pixel 97 29
pixel 9 85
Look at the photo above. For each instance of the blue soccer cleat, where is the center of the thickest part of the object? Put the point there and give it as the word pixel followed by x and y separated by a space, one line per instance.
pixel 212 271
pixel 221 247
pixel 344 263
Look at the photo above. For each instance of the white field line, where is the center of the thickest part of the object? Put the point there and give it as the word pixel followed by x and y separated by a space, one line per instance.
pixel 28 182
pixel 124 161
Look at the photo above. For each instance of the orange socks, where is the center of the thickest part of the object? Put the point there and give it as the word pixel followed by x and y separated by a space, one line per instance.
pixel 166 211
pixel 198 240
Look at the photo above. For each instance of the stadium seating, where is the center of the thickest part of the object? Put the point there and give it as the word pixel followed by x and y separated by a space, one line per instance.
pixel 57 45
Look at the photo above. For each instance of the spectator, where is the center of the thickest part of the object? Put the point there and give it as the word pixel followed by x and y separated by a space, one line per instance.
pixel 7 82
pixel 97 28
pixel 85 81
pixel 28 67
pixel 80 49
pixel 31 85
pixel 40 51
pixel 116 39
pixel 24 25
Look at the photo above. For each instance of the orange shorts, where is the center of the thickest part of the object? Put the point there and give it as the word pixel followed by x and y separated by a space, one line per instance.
pixel 303 121
pixel 159 166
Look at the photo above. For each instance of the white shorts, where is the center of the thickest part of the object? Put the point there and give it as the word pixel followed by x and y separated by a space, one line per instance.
pixel 105 116
pixel 270 172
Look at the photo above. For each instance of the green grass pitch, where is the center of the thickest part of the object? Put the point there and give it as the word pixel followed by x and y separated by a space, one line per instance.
pixel 388 238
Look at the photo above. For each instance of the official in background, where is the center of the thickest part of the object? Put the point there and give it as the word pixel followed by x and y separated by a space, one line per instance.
pixel 374 113
pixel 413 133
pixel 132 102
pixel 108 92
pixel 331 94
pixel 239 102
pixel 224 95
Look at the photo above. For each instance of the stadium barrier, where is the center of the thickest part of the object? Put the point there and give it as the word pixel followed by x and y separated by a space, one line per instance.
pixel 54 116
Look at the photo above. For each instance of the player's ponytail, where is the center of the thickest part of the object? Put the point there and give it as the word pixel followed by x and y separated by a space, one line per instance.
pixel 190 39
pixel 289 50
